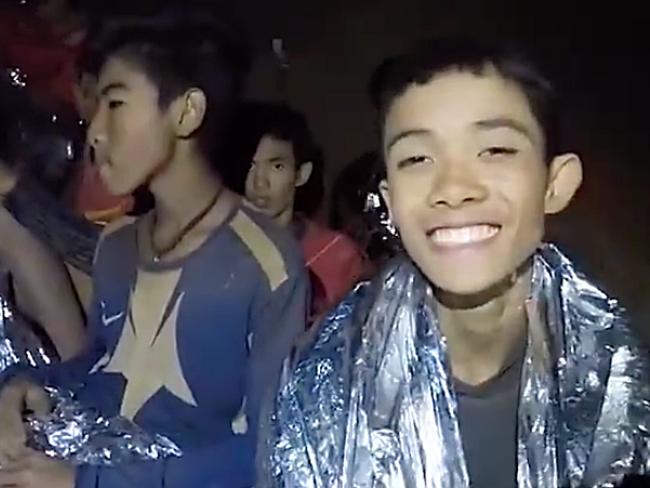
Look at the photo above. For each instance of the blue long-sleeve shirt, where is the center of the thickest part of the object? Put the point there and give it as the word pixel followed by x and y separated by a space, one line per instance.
pixel 189 349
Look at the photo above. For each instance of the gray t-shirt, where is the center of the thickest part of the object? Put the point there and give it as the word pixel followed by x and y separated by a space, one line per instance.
pixel 488 427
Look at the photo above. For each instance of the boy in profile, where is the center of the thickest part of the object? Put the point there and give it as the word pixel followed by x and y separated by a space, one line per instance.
pixel 196 303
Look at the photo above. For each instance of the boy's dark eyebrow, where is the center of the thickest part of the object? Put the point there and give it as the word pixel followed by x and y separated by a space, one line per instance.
pixel 404 134
pixel 505 123
pixel 118 85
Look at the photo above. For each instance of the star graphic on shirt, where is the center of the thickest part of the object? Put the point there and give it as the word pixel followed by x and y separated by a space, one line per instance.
pixel 147 352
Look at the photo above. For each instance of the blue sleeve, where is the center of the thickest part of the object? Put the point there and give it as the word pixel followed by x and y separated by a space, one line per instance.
pixel 276 326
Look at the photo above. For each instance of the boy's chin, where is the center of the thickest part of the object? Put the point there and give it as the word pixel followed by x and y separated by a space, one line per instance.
pixel 119 188
pixel 119 191
pixel 467 295
pixel 472 290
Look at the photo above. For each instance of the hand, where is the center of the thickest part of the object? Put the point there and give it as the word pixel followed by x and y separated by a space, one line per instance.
pixel 17 395
pixel 35 470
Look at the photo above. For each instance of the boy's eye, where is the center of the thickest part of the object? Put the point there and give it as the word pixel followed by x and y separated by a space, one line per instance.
pixel 497 151
pixel 278 166
pixel 113 104
pixel 414 160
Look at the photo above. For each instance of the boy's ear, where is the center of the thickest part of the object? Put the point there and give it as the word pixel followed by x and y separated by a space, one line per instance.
pixel 188 112
pixel 304 173
pixel 385 194
pixel 564 180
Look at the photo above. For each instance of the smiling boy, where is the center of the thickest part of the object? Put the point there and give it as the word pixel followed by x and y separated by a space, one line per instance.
pixel 481 358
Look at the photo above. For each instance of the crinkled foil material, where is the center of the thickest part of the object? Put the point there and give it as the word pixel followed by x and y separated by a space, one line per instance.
pixel 376 212
pixel 82 436
pixel 71 431
pixel 371 402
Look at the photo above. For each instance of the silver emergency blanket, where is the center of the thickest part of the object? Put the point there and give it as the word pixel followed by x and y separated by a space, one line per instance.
pixel 83 436
pixel 72 432
pixel 371 402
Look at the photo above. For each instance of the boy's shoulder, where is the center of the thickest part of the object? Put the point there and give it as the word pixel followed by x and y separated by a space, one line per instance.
pixel 274 249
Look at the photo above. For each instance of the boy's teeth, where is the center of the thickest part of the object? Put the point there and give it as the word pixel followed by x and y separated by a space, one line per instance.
pixel 464 235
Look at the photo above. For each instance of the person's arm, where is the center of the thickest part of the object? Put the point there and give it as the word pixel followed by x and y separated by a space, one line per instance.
pixel 57 227
pixel 44 292
pixel 22 387
pixel 72 371
pixel 275 325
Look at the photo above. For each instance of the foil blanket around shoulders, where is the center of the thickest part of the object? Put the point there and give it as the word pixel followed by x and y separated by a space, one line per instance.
pixel 71 431
pixel 371 403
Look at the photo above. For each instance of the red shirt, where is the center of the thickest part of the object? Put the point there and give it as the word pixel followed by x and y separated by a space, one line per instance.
pixel 335 262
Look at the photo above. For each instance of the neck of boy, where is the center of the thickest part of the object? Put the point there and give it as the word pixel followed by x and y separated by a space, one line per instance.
pixel 182 189
pixel 485 338
pixel 285 218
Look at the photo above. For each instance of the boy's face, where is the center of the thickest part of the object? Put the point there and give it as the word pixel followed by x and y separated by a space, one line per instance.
pixel 131 136
pixel 273 177
pixel 468 185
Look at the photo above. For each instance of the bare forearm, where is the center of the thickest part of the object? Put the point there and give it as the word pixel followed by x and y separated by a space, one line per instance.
pixel 43 287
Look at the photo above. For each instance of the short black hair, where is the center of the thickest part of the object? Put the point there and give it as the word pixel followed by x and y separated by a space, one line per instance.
pixel 432 57
pixel 253 121
pixel 178 51
pixel 284 123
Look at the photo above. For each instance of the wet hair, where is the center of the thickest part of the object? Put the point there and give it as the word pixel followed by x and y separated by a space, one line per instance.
pixel 253 121
pixel 178 51
pixel 428 59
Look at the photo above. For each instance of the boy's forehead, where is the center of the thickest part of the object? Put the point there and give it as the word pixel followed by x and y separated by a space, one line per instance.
pixel 270 145
pixel 460 100
pixel 118 73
